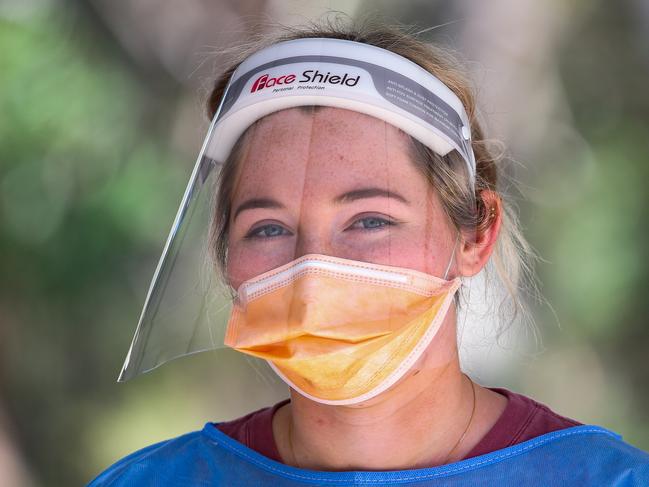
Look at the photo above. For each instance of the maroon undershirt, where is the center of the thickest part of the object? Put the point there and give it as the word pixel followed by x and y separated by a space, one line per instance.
pixel 522 419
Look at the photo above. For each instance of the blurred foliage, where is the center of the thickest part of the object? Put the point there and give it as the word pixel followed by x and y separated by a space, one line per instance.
pixel 597 271
pixel 89 183
pixel 83 183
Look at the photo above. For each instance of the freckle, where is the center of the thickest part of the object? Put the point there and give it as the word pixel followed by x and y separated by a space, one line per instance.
pixel 415 373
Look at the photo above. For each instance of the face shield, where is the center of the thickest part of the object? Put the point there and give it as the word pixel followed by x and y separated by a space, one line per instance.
pixel 311 234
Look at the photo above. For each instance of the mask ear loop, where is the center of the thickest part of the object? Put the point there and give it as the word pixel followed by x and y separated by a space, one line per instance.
pixel 459 328
pixel 450 261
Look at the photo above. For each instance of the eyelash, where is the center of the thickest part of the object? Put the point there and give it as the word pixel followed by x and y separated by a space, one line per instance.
pixel 255 233
pixel 383 222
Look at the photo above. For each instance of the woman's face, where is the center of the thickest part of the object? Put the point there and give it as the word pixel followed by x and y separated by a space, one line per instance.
pixel 332 182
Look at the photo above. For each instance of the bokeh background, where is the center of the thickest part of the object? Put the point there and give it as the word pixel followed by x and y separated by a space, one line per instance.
pixel 101 116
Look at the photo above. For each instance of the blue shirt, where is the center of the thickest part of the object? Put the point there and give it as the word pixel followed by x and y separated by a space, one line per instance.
pixel 577 456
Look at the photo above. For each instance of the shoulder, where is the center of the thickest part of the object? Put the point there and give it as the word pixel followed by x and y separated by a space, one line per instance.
pixel 529 418
pixel 590 452
pixel 523 419
pixel 579 455
pixel 255 430
pixel 559 446
pixel 196 455
pixel 156 464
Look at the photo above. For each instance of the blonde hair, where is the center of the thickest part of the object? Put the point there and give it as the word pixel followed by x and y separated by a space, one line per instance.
pixel 513 258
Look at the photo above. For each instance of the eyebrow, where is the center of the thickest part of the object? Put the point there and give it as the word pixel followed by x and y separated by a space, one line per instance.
pixel 362 193
pixel 257 203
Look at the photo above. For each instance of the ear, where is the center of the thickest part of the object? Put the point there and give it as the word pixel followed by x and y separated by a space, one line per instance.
pixel 478 247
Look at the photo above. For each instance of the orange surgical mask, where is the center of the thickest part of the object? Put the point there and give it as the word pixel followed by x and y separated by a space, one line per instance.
pixel 339 331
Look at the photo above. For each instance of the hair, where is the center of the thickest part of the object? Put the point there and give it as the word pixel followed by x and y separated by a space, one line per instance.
pixel 513 257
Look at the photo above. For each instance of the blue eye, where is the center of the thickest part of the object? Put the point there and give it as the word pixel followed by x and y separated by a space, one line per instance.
pixel 268 231
pixel 370 223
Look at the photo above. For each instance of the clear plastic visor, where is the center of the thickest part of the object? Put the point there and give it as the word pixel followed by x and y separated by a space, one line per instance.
pixel 307 182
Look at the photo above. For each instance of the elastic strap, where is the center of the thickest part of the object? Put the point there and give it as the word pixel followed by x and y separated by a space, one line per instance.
pixel 448 267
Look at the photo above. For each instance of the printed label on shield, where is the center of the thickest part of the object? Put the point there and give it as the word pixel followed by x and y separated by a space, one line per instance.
pixel 303 80
pixel 264 81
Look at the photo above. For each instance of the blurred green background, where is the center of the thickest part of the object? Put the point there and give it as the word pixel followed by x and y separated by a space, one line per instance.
pixel 101 119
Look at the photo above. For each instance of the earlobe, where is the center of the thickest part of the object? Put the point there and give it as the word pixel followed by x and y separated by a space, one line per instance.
pixel 475 253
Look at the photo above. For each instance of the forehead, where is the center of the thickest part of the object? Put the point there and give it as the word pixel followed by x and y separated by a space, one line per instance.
pixel 323 149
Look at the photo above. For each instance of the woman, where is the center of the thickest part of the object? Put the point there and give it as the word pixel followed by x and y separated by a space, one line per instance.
pixel 355 191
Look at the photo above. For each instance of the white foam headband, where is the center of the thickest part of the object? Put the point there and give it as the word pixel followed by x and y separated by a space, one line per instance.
pixel 342 74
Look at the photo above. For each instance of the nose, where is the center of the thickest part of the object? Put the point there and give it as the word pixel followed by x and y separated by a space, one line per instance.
pixel 312 243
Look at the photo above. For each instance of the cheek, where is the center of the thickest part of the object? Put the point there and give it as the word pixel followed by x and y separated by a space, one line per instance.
pixel 414 248
pixel 411 253
pixel 245 260
pixel 397 249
